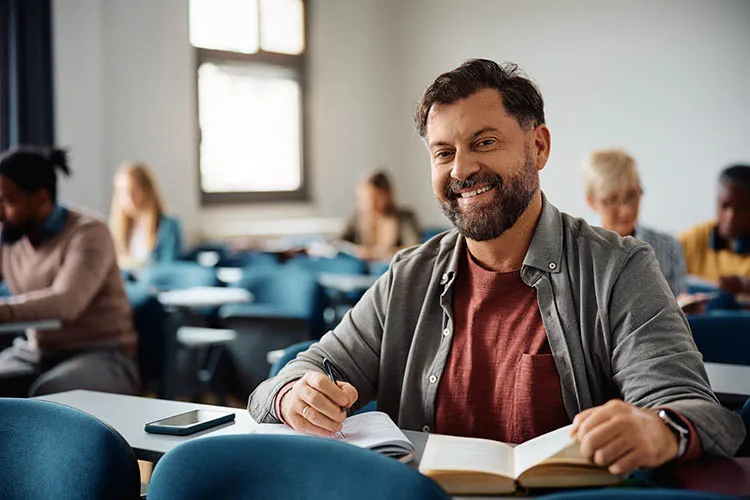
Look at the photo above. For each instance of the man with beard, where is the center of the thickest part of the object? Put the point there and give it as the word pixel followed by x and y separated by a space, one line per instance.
pixel 59 264
pixel 521 320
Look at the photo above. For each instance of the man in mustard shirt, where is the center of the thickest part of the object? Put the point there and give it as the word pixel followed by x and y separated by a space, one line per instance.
pixel 719 250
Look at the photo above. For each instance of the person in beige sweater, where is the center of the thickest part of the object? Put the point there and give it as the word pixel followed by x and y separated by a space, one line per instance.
pixel 59 264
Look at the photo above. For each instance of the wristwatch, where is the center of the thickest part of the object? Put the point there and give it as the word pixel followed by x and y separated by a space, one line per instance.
pixel 678 429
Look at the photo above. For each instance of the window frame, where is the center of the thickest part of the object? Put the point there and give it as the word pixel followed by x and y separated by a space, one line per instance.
pixel 297 63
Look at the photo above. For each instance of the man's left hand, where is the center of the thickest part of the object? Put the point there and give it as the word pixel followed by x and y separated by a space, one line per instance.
pixel 624 437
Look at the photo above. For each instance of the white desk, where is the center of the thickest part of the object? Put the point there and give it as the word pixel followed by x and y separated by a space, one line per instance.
pixel 730 380
pixel 346 283
pixel 128 414
pixel 204 296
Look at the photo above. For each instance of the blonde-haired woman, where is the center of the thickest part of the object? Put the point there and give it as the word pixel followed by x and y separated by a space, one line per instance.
pixel 613 190
pixel 143 233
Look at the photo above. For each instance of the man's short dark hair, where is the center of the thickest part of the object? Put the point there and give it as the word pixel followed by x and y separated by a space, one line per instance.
pixel 32 168
pixel 737 174
pixel 521 97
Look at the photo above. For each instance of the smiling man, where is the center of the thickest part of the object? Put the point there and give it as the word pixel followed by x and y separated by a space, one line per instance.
pixel 521 320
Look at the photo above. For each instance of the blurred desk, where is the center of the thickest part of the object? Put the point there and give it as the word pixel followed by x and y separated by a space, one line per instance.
pixel 45 324
pixel 180 304
pixel 204 296
pixel 730 380
pixel 346 283
pixel 229 274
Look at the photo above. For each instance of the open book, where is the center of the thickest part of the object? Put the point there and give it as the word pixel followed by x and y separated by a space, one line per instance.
pixel 373 430
pixel 481 466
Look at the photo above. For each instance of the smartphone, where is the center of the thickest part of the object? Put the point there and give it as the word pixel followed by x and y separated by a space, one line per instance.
pixel 189 422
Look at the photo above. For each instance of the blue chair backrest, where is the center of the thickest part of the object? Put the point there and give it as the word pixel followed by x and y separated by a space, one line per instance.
pixel 289 354
pixel 48 450
pixel 722 336
pixel 289 289
pixel 249 259
pixel 150 321
pixel 636 494
pixel 5 290
pixel 265 467
pixel 178 275
pixel 341 264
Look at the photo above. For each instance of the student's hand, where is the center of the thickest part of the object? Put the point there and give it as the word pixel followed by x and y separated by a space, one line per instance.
pixel 624 437
pixel 315 405
pixel 734 284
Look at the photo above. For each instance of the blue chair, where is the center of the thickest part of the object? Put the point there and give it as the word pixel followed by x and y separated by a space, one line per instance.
pixel 265 467
pixel 50 450
pixel 199 252
pixel 287 308
pixel 431 232
pixel 636 494
pixel 178 275
pixel 722 336
pixel 249 259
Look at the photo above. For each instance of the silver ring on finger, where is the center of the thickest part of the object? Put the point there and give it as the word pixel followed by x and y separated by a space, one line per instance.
pixel 304 410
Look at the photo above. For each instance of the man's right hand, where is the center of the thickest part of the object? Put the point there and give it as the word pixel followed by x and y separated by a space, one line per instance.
pixel 315 405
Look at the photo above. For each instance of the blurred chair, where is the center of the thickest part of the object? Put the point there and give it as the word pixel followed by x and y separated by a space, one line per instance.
pixel 431 232
pixel 150 322
pixel 281 357
pixel 722 336
pixel 287 308
pixel 178 275
pixel 4 289
pixel 337 302
pixel 248 259
pixel 198 331
pixel 52 451
pixel 266 467
pixel 636 494
pixel 207 254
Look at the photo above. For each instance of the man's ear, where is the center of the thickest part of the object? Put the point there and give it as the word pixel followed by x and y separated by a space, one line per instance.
pixel 542 144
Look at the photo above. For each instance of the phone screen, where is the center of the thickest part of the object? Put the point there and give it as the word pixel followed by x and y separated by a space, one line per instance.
pixel 190 418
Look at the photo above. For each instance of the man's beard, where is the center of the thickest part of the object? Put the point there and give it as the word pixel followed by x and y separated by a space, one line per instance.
pixel 512 199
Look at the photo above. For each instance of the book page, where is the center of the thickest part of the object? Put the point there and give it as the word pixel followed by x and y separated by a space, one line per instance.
pixel 539 449
pixel 450 453
pixel 369 430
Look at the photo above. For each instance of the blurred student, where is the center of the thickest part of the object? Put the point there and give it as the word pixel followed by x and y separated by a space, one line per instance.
pixel 719 250
pixel 143 233
pixel 613 190
pixel 59 264
pixel 379 228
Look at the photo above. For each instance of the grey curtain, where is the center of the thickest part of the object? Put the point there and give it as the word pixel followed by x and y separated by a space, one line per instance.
pixel 26 87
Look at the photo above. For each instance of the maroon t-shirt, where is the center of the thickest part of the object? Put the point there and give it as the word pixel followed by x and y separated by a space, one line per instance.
pixel 500 381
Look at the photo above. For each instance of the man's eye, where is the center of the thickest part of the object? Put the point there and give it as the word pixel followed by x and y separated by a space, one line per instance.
pixel 442 154
pixel 486 142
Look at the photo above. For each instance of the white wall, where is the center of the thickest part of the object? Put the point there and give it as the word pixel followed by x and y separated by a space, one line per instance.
pixel 666 80
pixel 79 98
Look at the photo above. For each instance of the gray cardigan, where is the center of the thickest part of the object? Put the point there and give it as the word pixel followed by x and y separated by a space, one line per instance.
pixel 613 326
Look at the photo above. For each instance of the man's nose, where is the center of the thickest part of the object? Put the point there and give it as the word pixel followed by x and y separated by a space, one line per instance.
pixel 464 166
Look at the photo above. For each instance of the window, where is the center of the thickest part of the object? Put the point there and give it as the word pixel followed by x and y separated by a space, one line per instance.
pixel 250 98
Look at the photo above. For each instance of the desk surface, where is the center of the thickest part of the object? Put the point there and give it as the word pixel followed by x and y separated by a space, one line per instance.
pixel 346 282
pixel 128 415
pixel 731 380
pixel 204 296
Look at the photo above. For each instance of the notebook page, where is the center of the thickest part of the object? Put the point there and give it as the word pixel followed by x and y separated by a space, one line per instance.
pixel 452 453
pixel 366 430
pixel 541 448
